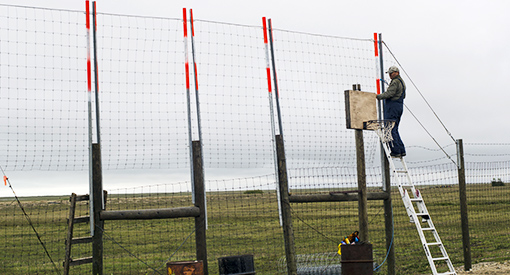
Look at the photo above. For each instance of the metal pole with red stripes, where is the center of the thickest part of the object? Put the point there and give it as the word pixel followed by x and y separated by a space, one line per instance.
pixel 377 74
pixel 271 110
pixel 188 100
pixel 275 79
pixel 89 97
pixel 385 169
pixel 288 231
pixel 197 100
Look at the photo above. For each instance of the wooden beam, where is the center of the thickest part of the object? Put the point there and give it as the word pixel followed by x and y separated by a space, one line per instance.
pixel 336 197
pixel 147 214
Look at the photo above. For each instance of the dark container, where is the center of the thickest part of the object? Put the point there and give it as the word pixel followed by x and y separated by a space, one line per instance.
pixel 236 265
pixel 185 268
pixel 357 259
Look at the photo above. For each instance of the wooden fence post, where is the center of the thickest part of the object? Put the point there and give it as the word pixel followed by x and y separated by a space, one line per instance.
pixel 466 247
pixel 200 231
pixel 362 186
pixel 97 190
pixel 388 219
pixel 288 231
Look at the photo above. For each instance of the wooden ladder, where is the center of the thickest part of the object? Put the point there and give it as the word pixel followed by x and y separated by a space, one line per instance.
pixel 70 240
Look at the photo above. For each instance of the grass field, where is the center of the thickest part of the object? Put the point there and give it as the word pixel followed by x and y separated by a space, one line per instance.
pixel 240 223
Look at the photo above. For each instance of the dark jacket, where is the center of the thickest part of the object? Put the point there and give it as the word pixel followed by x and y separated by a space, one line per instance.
pixel 395 90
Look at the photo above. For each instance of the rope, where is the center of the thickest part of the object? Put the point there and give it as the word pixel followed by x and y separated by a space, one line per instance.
pixel 6 179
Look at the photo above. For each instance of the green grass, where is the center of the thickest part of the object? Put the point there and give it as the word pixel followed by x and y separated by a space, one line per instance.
pixel 247 223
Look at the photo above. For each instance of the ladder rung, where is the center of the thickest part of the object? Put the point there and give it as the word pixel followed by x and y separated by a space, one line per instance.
pixel 434 244
pixel 422 214
pixel 428 229
pixel 406 185
pixel 82 219
pixel 446 273
pixel 81 240
pixel 82 198
pixel 417 200
pixel 86 260
pixel 401 171
pixel 440 259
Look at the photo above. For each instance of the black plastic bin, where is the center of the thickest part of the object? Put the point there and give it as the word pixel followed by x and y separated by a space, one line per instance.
pixel 236 265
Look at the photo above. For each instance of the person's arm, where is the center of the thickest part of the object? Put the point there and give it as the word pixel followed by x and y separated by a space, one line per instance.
pixel 390 92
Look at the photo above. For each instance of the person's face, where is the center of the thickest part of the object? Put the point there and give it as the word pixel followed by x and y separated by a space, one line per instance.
pixel 393 74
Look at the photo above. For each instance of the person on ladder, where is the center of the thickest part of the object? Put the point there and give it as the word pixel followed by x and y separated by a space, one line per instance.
pixel 394 107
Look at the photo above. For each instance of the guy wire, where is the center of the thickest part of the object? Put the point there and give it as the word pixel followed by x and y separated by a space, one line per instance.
pixel 412 82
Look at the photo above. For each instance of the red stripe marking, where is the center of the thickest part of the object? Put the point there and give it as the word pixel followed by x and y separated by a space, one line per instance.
pixel 191 18
pixel 87 13
pixel 184 22
pixel 265 29
pixel 95 28
pixel 378 86
pixel 187 75
pixel 89 76
pixel 375 45
pixel 268 79
pixel 95 16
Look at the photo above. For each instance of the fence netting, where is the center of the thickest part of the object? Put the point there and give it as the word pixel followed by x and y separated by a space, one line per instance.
pixel 145 126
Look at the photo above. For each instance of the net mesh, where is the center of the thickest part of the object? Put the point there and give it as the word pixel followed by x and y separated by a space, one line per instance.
pixel 382 128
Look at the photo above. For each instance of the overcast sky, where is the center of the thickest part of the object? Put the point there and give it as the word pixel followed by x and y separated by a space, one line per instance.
pixel 454 51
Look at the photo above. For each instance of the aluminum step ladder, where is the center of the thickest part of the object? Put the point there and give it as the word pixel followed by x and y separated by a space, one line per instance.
pixel 418 213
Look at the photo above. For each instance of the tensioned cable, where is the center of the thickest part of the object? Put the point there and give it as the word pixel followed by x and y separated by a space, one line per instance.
pixel 125 249
pixel 38 8
pixel 424 99
pixel 430 135
pixel 6 180
pixel 328 238
pixel 185 240
pixel 430 107
pixel 430 149
pixel 313 228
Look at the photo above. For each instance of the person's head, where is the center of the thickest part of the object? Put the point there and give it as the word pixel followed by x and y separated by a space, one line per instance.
pixel 393 72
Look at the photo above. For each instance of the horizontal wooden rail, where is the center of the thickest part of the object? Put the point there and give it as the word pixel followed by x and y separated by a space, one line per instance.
pixel 145 214
pixel 336 197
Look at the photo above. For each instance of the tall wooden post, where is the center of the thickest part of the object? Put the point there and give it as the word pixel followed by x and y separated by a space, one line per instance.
pixel 97 190
pixel 362 186
pixel 199 185
pixel 288 231
pixel 466 247
pixel 388 219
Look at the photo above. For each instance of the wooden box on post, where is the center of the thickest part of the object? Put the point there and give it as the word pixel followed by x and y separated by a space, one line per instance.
pixel 359 107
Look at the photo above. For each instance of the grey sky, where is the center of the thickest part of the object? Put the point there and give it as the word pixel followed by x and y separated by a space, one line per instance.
pixel 454 51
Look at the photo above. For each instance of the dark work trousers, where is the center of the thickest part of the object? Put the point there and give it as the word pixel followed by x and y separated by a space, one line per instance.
pixel 393 110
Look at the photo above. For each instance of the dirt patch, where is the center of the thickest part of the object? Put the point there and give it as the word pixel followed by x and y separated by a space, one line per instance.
pixel 492 268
